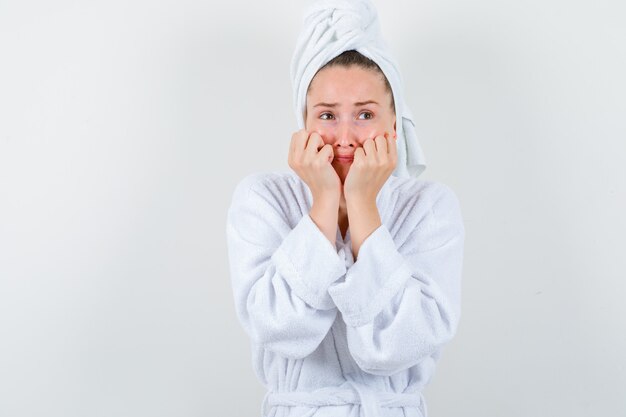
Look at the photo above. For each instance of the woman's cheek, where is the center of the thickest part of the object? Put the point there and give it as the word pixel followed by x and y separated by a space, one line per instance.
pixel 325 134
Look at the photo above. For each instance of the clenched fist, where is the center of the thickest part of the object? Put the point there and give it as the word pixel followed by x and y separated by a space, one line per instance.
pixel 372 166
pixel 311 159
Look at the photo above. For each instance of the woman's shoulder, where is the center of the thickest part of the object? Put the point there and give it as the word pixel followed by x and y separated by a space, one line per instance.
pixel 278 184
pixel 429 207
pixel 420 189
pixel 427 196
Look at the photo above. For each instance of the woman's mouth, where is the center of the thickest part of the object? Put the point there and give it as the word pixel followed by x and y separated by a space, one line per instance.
pixel 344 159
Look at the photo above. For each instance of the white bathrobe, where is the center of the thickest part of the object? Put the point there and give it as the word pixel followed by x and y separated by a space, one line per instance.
pixel 332 337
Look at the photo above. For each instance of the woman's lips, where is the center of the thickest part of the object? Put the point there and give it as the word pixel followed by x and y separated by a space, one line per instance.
pixel 344 158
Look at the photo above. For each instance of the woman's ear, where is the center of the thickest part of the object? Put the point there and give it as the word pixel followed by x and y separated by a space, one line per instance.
pixel 394 129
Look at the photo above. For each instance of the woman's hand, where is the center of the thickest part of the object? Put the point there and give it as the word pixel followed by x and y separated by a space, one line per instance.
pixel 372 165
pixel 316 171
pixel 314 167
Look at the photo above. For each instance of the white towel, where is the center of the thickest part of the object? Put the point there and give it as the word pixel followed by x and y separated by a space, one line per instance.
pixel 334 26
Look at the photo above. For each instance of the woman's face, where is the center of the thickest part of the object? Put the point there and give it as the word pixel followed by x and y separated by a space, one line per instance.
pixel 347 106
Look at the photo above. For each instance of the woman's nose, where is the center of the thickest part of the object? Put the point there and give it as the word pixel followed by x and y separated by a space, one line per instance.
pixel 345 135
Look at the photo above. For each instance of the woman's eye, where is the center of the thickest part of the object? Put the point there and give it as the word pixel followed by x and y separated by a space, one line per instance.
pixel 328 116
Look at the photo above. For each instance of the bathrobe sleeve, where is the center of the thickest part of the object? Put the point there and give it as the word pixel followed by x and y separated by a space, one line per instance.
pixel 280 272
pixel 401 301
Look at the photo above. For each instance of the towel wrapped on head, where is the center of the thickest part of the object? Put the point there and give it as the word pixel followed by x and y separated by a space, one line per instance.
pixel 334 26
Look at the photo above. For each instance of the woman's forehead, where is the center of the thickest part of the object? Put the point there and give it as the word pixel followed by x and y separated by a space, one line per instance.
pixel 347 84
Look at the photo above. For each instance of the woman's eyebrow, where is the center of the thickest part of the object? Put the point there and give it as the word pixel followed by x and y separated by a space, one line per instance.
pixel 358 103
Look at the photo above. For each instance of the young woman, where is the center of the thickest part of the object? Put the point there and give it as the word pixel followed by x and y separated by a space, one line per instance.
pixel 346 278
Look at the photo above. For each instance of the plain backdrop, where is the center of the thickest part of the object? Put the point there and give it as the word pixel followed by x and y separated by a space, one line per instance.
pixel 125 125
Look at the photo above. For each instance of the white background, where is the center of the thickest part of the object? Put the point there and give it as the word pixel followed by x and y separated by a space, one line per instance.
pixel 125 125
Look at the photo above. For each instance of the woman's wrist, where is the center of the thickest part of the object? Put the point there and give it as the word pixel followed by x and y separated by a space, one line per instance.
pixel 325 213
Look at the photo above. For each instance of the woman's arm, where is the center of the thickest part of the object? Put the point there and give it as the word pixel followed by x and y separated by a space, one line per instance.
pixel 364 219
pixel 280 273
pixel 325 213
pixel 401 301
